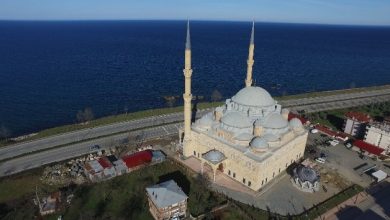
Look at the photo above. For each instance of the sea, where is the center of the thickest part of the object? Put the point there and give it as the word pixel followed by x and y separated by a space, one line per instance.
pixel 49 70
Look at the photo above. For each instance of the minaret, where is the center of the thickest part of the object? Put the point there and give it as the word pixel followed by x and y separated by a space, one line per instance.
pixel 187 96
pixel 250 61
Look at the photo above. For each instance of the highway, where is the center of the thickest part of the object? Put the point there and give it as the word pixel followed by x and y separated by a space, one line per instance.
pixel 63 153
pixel 15 150
pixel 73 144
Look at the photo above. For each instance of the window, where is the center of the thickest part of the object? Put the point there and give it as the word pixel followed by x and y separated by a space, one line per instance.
pixel 262 182
pixel 243 180
pixel 266 179
pixel 229 172
pixel 273 175
pixel 194 153
pixel 279 170
pixel 234 175
pixel 249 183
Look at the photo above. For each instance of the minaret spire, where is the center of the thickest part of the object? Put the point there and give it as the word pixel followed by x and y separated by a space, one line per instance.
pixel 187 96
pixel 250 61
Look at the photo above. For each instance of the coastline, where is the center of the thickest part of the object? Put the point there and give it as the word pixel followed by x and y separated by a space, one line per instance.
pixel 161 111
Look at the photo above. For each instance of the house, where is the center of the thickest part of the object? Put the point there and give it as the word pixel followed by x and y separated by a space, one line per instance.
pixel 100 169
pixel 355 123
pixel 137 160
pixel 167 201
pixel 93 170
pixel 378 134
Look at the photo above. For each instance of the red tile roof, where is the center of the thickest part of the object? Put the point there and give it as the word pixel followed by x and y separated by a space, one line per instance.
pixel 137 159
pixel 358 116
pixel 326 130
pixel 104 162
pixel 368 147
pixel 302 119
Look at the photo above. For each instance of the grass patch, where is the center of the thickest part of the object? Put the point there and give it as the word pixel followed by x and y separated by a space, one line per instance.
pixel 124 197
pixel 20 185
pixel 333 92
pixel 330 203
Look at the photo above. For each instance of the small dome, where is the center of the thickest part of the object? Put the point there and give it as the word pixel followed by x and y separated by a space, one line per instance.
pixel 295 123
pixel 253 96
pixel 206 120
pixel 270 137
pixel 306 174
pixel 237 120
pixel 243 137
pixel 214 156
pixel 259 143
pixel 275 121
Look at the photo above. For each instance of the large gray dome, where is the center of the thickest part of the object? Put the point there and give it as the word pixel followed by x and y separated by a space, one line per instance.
pixel 275 121
pixel 237 120
pixel 253 96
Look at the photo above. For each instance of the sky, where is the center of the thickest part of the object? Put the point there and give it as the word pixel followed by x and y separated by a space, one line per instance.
pixel 356 12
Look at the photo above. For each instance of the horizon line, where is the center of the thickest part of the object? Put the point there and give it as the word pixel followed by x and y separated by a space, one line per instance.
pixel 199 20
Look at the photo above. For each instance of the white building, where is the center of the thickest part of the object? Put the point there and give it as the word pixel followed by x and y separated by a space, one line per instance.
pixel 249 138
pixel 355 123
pixel 167 201
pixel 378 134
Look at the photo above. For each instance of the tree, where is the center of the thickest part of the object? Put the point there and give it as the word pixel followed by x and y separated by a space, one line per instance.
pixel 85 116
pixel 4 132
pixel 216 96
pixel 88 114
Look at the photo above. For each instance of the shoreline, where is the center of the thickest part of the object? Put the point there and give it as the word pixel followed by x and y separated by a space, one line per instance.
pixel 111 119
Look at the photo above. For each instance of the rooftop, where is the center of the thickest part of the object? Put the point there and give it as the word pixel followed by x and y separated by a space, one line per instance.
pixel 368 147
pixel 358 116
pixel 166 194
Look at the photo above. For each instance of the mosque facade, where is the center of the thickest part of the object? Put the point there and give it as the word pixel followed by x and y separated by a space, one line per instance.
pixel 249 138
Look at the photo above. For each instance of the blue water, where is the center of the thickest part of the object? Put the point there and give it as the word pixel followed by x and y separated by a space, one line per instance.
pixel 50 70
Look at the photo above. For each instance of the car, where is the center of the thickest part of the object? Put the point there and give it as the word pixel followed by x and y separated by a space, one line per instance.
pixel 348 145
pixel 323 155
pixel 94 147
pixel 320 160
pixel 334 142
pixel 314 131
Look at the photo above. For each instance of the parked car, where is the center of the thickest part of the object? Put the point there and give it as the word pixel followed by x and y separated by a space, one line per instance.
pixel 314 131
pixel 348 145
pixel 323 155
pixel 334 142
pixel 320 160
pixel 94 147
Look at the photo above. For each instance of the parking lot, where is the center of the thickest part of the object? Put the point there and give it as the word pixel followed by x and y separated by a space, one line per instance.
pixel 342 160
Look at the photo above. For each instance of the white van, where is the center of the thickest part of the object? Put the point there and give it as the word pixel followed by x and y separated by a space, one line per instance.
pixel 320 160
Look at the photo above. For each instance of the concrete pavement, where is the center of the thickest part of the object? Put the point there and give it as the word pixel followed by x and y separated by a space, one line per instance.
pixel 90 133
pixel 62 153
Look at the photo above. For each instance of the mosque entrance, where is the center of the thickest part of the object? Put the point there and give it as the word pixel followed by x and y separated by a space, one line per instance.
pixel 220 167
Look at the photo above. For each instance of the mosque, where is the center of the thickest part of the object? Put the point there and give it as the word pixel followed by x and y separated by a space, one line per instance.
pixel 249 138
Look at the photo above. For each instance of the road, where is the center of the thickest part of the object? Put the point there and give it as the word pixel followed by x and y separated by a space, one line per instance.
pixel 322 103
pixel 62 153
pixel 38 152
pixel 12 151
